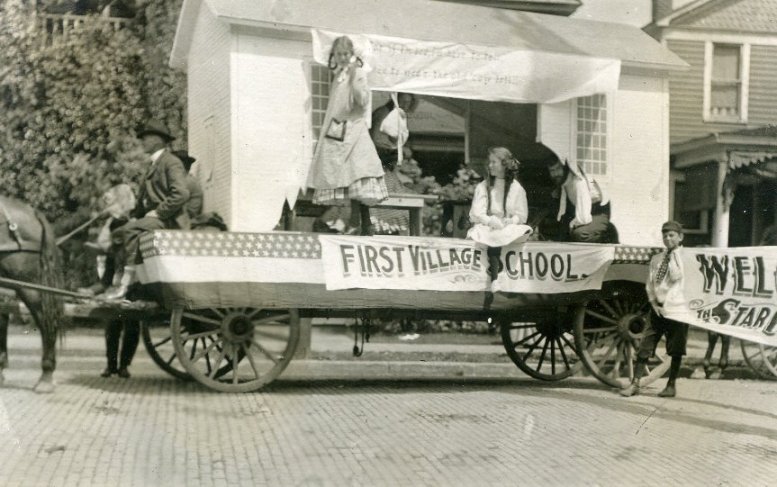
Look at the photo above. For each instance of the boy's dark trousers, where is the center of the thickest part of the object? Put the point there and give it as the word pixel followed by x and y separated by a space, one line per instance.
pixel 129 343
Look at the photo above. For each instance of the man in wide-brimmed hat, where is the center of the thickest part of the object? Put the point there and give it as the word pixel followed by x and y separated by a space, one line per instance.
pixel 160 204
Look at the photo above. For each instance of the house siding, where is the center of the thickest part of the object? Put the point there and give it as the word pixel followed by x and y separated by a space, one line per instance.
pixel 687 92
pixel 209 111
pixel 763 85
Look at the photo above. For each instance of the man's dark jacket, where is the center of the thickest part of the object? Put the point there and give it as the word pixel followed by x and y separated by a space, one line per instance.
pixel 164 189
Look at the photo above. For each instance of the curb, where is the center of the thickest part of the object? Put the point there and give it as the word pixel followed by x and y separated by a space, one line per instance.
pixel 299 370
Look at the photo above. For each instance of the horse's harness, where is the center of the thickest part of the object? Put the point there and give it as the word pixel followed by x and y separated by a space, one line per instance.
pixel 13 227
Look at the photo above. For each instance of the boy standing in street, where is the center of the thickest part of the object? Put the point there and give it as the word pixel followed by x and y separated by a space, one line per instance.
pixel 664 287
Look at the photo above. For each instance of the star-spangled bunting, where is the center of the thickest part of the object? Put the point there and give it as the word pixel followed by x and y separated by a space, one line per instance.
pixel 229 244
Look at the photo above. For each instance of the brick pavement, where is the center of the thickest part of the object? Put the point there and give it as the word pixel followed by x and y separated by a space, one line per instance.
pixel 154 430
pixel 151 430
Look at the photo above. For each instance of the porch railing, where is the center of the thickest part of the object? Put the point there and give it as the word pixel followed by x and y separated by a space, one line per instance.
pixel 59 26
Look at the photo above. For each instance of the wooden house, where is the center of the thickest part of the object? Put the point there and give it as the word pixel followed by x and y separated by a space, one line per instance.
pixel 722 111
pixel 594 93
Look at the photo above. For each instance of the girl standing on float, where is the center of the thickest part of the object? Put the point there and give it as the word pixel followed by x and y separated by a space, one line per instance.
pixel 346 165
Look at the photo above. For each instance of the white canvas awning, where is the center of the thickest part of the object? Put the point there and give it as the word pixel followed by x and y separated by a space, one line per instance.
pixel 476 72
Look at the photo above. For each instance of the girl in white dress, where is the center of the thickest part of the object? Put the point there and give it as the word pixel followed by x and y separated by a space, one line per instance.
pixel 499 207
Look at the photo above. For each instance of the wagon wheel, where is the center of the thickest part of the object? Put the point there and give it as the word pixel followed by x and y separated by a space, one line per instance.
pixel 761 358
pixel 544 350
pixel 241 349
pixel 159 345
pixel 608 331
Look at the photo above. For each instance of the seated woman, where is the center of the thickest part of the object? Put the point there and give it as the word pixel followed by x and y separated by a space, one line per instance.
pixel 499 207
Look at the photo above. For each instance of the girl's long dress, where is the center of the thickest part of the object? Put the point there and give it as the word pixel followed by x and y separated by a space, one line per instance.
pixel 515 207
pixel 347 169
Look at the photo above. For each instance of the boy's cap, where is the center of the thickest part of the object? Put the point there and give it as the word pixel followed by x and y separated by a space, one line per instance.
pixel 670 226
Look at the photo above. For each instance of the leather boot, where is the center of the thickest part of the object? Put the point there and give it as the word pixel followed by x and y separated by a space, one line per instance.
pixel 630 390
pixel 117 292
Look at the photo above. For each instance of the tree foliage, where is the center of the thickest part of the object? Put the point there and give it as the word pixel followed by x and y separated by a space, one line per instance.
pixel 70 103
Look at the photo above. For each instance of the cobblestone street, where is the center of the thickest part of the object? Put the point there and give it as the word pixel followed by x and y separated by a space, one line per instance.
pixel 155 430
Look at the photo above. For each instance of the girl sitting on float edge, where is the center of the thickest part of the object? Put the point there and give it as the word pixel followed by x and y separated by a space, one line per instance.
pixel 499 207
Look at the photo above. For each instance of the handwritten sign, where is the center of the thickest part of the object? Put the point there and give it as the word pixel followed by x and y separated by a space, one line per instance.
pixel 475 72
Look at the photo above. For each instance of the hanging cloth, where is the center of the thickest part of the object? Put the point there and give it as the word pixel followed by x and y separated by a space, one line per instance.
pixel 395 125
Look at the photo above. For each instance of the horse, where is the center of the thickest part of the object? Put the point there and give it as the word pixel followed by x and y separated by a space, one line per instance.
pixel 29 253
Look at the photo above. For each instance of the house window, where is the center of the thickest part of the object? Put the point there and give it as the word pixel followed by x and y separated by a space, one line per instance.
pixel 725 94
pixel 592 134
pixel 320 78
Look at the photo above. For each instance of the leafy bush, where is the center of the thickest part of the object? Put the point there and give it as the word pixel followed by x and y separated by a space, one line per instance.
pixel 71 102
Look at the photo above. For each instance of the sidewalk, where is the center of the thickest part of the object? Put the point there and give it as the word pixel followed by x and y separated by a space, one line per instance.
pixel 386 358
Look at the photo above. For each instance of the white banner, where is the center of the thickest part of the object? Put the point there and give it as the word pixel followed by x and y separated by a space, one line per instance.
pixel 384 262
pixel 553 267
pixel 730 291
pixel 475 72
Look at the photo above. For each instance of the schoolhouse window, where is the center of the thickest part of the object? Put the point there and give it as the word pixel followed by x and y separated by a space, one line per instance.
pixel 726 88
pixel 320 78
pixel 592 133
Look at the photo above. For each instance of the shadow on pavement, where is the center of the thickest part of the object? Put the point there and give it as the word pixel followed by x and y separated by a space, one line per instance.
pixel 628 405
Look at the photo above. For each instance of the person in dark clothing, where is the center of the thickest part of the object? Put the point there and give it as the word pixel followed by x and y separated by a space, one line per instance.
pixel 195 203
pixel 161 204
pixel 583 210
pixel 121 335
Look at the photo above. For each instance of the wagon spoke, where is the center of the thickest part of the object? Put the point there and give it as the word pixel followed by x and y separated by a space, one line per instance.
pixel 606 355
pixel 252 362
pixel 602 317
pixel 162 341
pixel 217 312
pixel 202 319
pixel 235 375
pixel 600 330
pixel 531 348
pixel 525 339
pixel 195 336
pixel 617 305
pixel 609 309
pixel 193 350
pixel 171 359
pixel 265 352
pixel 222 354
pixel 563 354
pixel 204 352
pixel 552 356
pixel 542 356
pixel 568 343
pixel 271 319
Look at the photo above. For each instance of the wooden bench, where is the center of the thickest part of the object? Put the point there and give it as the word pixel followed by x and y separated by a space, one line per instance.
pixel 411 202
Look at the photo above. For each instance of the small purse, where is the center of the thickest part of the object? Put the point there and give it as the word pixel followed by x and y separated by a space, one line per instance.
pixel 336 130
